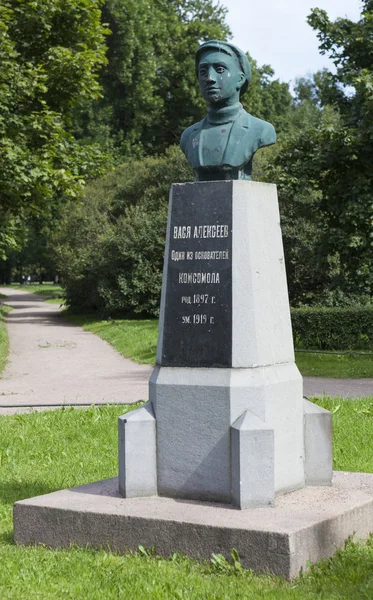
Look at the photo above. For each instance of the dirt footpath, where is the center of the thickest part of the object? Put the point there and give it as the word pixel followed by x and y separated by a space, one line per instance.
pixel 54 362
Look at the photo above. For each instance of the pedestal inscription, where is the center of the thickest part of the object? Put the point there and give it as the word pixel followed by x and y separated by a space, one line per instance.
pixel 198 314
pixel 225 392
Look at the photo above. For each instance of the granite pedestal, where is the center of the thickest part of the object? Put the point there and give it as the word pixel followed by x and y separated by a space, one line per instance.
pixel 226 420
pixel 230 424
pixel 306 525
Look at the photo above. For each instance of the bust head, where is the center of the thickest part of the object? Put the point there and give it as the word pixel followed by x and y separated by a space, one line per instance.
pixel 223 72
pixel 222 145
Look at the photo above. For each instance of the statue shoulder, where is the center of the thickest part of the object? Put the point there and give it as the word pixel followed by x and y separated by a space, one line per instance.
pixel 264 131
pixel 187 133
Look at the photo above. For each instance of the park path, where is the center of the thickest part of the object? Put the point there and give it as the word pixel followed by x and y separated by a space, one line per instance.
pixel 348 388
pixel 53 362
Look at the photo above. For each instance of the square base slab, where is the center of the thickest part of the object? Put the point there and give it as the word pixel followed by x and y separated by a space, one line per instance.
pixel 305 525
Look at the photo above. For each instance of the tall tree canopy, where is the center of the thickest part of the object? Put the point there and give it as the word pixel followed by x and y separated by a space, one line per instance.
pixel 268 98
pixel 150 90
pixel 50 55
pixel 149 87
pixel 330 160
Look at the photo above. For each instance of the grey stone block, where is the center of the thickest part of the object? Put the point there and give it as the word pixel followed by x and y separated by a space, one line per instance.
pixel 195 409
pixel 303 526
pixel 261 326
pixel 261 333
pixel 137 453
pixel 253 462
pixel 193 434
pixel 318 445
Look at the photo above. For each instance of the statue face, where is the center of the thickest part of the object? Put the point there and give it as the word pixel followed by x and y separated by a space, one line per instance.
pixel 220 78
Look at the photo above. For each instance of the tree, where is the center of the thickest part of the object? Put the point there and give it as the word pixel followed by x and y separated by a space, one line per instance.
pixel 267 98
pixel 333 154
pixel 110 248
pixel 150 91
pixel 50 55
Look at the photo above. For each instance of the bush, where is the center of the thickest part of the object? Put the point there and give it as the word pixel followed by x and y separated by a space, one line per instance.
pixel 333 328
pixel 110 248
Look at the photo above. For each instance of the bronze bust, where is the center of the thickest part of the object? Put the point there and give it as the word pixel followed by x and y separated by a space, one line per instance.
pixel 223 144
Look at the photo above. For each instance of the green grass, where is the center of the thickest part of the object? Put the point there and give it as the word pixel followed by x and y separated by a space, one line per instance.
pixel 42 452
pixel 334 365
pixel 135 339
pixel 58 300
pixel 138 340
pixel 352 433
pixel 48 290
pixel 4 342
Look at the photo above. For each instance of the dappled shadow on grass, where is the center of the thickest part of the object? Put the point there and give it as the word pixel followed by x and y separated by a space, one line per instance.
pixel 7 538
pixel 48 294
pixel 347 574
pixel 13 491
pixel 146 357
pixel 25 307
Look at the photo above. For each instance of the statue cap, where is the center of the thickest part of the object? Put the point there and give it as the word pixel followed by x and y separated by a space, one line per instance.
pixel 227 48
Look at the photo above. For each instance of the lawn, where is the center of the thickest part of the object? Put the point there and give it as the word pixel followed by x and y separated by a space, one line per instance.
pixel 137 339
pixel 4 344
pixel 334 365
pixel 42 452
pixel 50 291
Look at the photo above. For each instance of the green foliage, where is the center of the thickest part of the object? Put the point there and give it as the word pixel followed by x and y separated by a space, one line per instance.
pixel 311 269
pixel 150 91
pixel 35 257
pixel 4 341
pixel 328 162
pixel 135 339
pixel 351 365
pixel 268 98
pixel 50 54
pixel 147 552
pixel 110 248
pixel 232 566
pixel 333 328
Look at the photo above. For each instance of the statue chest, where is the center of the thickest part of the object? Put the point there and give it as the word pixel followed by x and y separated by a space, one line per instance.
pixel 213 143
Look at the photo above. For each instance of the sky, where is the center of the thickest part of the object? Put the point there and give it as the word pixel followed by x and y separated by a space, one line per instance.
pixel 275 32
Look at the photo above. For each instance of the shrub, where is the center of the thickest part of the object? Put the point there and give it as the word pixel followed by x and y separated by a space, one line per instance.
pixel 110 248
pixel 333 328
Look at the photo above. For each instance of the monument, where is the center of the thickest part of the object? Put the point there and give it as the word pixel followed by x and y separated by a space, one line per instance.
pixel 205 464
pixel 226 420
pixel 223 144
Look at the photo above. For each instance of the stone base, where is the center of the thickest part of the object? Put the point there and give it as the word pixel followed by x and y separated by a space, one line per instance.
pixel 303 526
pixel 238 436
pixel 195 410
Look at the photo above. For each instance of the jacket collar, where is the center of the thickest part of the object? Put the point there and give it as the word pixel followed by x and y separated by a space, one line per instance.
pixel 240 128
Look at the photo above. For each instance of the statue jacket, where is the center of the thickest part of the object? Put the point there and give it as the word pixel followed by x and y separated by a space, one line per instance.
pixel 247 134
